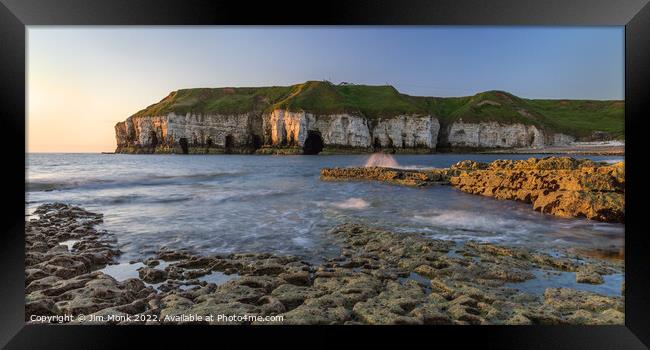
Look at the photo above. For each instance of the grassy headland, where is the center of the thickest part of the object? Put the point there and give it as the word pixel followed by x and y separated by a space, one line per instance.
pixel 574 117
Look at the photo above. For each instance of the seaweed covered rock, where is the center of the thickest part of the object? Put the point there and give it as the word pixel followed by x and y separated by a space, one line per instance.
pixel 560 186
pixel 406 177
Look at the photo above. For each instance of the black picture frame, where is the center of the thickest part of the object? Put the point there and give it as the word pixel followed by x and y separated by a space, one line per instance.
pixel 15 15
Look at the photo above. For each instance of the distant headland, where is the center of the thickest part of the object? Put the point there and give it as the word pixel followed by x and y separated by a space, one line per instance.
pixel 319 117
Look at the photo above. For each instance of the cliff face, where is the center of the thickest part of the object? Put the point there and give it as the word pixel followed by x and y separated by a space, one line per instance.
pixel 174 133
pixel 407 132
pixel 315 116
pixel 285 128
pixel 494 134
pixel 282 127
pixel 193 133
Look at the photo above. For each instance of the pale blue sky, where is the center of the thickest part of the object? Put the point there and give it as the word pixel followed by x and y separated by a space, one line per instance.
pixel 85 79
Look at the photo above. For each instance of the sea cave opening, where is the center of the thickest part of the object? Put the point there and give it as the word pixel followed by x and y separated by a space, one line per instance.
pixel 153 139
pixel 257 141
pixel 376 144
pixel 230 143
pixel 313 143
pixel 183 143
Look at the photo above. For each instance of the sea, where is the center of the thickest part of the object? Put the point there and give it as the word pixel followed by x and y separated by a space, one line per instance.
pixel 261 203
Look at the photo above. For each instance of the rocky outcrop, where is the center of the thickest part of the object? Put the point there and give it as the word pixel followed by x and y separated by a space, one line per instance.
pixel 379 278
pixel 560 186
pixel 406 177
pixel 63 252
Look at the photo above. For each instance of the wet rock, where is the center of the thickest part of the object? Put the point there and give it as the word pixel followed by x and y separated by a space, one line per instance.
pixel 233 292
pixel 299 278
pixel 173 255
pixel 611 316
pixel 152 262
pixel 264 283
pixel 317 313
pixel 96 294
pixel 588 274
pixel 431 314
pixel 381 311
pixel 233 308
pixel 560 186
pixel 173 305
pixel 379 278
pixel 466 314
pixel 151 275
pixel 291 295
pixel 518 319
pixel 567 299
pixel 45 307
pixel 396 176
pixel 270 305
pixel 43 283
pixel 32 274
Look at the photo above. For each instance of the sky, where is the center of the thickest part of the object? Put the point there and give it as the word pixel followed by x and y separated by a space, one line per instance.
pixel 83 80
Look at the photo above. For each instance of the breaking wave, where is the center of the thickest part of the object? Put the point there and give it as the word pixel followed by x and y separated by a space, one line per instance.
pixel 381 160
pixel 352 203
pixel 475 222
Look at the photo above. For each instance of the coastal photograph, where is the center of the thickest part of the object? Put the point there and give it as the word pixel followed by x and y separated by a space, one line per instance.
pixel 356 175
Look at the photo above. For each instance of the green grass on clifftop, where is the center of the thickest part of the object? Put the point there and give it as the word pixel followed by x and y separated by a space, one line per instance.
pixel 582 117
pixel 575 117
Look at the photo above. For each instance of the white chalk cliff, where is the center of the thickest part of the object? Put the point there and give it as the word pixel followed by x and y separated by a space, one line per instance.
pixel 194 129
pixel 277 128
pixel 285 128
pixel 500 135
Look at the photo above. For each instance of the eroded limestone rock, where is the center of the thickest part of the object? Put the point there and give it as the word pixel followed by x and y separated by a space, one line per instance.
pixel 380 278
pixel 560 186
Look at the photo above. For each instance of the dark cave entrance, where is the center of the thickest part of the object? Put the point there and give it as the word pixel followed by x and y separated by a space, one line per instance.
pixel 153 139
pixel 376 144
pixel 313 143
pixel 256 141
pixel 230 143
pixel 183 143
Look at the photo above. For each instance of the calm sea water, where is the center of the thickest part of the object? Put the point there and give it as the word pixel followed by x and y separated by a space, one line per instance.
pixel 227 203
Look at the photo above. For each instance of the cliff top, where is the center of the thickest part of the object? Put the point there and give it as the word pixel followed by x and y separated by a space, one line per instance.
pixel 575 117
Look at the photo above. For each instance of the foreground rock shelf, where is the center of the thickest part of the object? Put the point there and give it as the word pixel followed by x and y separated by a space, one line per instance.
pixel 561 186
pixel 379 278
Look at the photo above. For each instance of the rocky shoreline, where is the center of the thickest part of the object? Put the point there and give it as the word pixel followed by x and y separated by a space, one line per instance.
pixel 380 277
pixel 560 186
pixel 404 177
